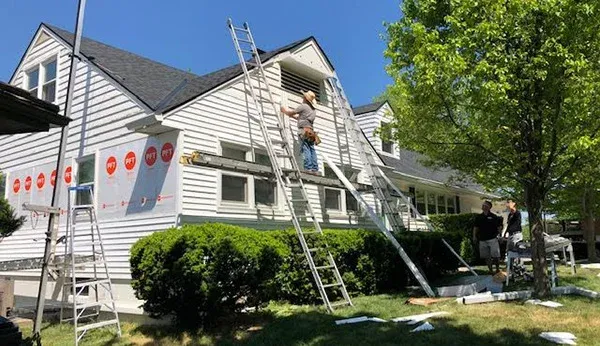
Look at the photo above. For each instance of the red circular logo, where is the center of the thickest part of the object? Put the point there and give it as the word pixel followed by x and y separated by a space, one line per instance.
pixel 53 178
pixel 150 156
pixel 111 165
pixel 166 153
pixel 68 172
pixel 28 181
pixel 41 180
pixel 16 186
pixel 130 160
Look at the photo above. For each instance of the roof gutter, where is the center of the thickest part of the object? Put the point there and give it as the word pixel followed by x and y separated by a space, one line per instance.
pixel 438 184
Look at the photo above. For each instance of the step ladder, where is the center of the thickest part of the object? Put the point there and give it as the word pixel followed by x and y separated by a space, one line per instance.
pixel 320 260
pixel 91 277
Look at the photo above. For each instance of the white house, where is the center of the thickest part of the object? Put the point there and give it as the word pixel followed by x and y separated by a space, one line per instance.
pixel 133 118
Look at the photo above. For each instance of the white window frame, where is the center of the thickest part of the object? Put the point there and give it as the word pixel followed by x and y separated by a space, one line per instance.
pixel 393 152
pixel 39 65
pixel 89 157
pixel 342 200
pixel 250 186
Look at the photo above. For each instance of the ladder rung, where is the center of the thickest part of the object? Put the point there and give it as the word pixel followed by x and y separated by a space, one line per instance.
pixel 239 29
pixel 88 283
pixel 93 304
pixel 251 63
pixel 325 267
pixel 244 40
pixel 340 303
pixel 311 232
pixel 314 249
pixel 332 285
pixel 294 185
pixel 285 156
pixel 279 141
pixel 298 200
pixel 276 128
pixel 246 51
pixel 96 325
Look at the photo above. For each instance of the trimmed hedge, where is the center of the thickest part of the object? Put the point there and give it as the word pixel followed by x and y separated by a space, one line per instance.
pixel 202 272
pixel 461 224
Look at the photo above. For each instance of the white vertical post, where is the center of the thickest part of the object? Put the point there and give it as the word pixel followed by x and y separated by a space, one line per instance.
pixel 53 219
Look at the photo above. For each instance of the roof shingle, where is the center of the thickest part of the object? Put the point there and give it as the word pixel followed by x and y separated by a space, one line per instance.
pixel 158 86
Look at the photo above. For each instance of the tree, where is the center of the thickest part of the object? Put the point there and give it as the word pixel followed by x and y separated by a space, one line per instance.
pixel 578 196
pixel 9 221
pixel 506 91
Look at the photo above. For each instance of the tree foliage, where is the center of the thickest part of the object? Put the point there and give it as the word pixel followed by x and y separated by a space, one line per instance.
pixel 506 91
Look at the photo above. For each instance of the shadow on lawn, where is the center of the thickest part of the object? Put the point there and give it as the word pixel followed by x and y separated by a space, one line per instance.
pixel 318 328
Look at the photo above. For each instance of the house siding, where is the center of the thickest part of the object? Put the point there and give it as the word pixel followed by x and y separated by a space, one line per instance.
pixel 99 114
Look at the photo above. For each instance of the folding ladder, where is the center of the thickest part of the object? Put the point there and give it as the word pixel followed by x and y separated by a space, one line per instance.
pixel 384 189
pixel 84 239
pixel 320 261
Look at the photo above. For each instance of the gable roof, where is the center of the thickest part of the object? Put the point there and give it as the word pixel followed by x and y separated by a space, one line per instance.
pixel 371 107
pixel 160 87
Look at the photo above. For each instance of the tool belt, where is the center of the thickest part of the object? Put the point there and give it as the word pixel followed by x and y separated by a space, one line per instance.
pixel 310 135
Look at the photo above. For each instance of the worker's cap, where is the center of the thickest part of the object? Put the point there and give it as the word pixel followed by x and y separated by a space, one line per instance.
pixel 310 97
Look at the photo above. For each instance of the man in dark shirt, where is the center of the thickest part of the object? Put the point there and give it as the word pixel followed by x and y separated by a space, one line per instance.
pixel 513 228
pixel 487 228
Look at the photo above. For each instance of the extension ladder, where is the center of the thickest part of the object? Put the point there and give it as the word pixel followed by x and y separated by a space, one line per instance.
pixel 84 239
pixel 384 190
pixel 320 260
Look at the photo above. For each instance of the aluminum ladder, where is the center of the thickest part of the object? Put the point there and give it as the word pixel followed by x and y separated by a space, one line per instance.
pixel 320 260
pixel 385 191
pixel 84 239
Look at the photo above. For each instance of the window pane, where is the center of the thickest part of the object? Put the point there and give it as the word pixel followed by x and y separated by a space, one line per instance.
pixel 431 203
pixel 264 191
pixel 50 71
pixel 351 202
pixel 233 188
pixel 332 199
pixel 84 197
pixel 441 204
pixel 329 173
pixel 421 202
pixel 85 173
pixel 49 92
pixel 450 205
pixel 32 79
pixel 33 92
pixel 388 147
pixel 262 159
pixel 234 153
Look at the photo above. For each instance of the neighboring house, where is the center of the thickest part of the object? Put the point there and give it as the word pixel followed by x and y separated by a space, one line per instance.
pixel 433 191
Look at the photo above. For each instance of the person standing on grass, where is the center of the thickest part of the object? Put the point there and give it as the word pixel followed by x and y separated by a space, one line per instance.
pixel 486 231
pixel 305 114
pixel 513 228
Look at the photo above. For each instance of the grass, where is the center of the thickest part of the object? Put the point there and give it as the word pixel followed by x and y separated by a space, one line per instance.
pixel 510 323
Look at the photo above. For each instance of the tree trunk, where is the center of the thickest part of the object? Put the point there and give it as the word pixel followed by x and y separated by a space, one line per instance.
pixel 533 198
pixel 589 229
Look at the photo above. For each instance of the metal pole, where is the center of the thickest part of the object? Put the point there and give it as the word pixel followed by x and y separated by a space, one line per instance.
pixel 53 219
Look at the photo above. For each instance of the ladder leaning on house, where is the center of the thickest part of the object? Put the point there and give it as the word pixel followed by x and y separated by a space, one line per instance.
pixel 320 260
pixel 384 189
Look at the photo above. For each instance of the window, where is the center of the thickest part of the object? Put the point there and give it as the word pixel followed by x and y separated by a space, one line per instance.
pixel 441 204
pixel 233 153
pixel 450 201
pixel 431 203
pixel 386 134
pixel 262 159
pixel 2 185
pixel 234 188
pixel 351 202
pixel 420 202
pixel 43 75
pixel 86 172
pixel 333 199
pixel 295 84
pixel 264 191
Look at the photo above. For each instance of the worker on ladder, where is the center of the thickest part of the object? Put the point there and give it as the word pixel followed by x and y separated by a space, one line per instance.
pixel 305 114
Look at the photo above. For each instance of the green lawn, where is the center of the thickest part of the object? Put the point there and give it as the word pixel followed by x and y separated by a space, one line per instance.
pixel 511 323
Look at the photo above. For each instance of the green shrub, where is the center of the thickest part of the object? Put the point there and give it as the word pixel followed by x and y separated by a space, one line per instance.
pixel 9 221
pixel 201 272
pixel 459 224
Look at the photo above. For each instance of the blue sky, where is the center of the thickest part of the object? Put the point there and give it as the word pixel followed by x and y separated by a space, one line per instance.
pixel 193 35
